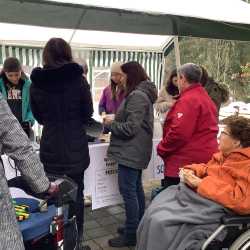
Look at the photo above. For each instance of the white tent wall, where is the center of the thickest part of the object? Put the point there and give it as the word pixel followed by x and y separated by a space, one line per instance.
pixel 24 35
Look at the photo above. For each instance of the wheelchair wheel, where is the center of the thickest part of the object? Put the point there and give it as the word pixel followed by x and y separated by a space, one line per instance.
pixel 242 242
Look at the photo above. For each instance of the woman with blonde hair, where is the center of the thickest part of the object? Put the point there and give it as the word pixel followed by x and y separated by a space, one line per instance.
pixel 113 94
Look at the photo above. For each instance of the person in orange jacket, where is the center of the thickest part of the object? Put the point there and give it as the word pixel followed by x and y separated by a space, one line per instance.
pixel 183 216
pixel 226 177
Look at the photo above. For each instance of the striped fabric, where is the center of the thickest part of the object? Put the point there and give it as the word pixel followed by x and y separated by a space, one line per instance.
pixel 151 61
pixel 28 56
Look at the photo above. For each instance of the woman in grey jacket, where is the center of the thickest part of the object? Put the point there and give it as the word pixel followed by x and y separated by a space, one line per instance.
pixel 131 146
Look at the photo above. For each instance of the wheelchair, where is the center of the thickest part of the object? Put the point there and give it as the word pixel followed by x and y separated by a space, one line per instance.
pixel 237 230
pixel 51 229
pixel 237 234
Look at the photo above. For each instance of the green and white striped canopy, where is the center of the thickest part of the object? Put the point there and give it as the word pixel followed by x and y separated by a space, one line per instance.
pixel 28 56
pixel 32 57
pixel 151 61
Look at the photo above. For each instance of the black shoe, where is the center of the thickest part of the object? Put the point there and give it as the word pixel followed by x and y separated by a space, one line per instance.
pixel 123 241
pixel 121 230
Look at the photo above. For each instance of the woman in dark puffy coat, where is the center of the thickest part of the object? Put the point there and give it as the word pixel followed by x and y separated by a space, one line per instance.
pixel 61 102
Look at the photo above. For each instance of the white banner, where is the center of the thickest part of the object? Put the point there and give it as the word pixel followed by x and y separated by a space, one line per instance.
pixel 104 178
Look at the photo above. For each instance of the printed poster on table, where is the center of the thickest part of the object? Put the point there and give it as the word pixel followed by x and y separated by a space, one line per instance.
pixel 105 191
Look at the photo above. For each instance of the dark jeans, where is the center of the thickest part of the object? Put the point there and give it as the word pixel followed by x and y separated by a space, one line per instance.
pixel 130 186
pixel 77 208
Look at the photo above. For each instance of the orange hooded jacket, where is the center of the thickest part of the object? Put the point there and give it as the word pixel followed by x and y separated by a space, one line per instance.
pixel 226 180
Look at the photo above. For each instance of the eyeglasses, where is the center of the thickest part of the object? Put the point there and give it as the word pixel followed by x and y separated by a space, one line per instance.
pixel 225 133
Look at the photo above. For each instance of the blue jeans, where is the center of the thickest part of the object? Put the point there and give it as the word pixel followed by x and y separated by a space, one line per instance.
pixel 130 186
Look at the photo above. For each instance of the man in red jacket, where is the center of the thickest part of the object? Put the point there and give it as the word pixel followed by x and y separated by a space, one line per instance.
pixel 191 127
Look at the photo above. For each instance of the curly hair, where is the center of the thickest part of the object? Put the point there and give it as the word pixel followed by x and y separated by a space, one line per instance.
pixel 239 127
pixel 170 87
pixel 204 76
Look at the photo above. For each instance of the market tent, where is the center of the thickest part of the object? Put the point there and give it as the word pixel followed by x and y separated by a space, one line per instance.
pixel 104 31
pixel 214 19
pixel 81 21
pixel 37 36
pixel 99 48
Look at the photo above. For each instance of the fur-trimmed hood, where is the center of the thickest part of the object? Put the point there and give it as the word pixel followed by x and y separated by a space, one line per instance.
pixel 54 78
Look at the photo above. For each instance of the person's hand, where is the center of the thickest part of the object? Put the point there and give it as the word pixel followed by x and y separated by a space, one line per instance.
pixel 186 170
pixel 53 189
pixel 108 119
pixel 182 171
pixel 191 180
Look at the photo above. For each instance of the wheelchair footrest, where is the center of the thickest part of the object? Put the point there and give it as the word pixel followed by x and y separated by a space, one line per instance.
pixel 227 220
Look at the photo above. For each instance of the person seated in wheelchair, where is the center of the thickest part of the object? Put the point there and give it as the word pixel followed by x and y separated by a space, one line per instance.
pixel 183 216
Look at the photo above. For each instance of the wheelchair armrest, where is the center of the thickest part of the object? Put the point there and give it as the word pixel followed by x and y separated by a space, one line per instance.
pixel 236 219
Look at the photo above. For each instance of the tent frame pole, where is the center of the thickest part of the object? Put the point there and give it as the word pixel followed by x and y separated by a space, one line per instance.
pixel 177 52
